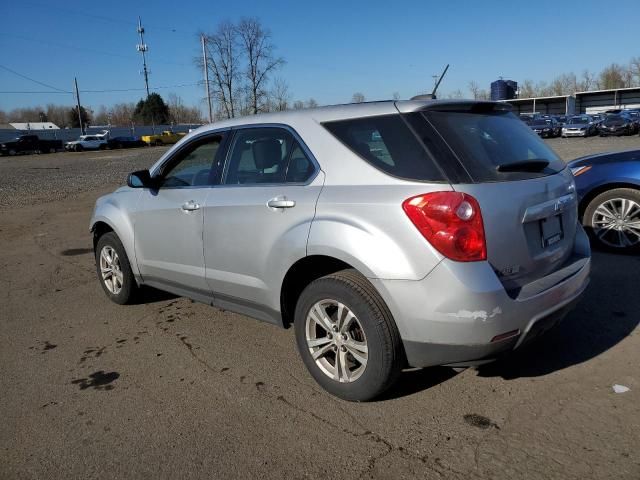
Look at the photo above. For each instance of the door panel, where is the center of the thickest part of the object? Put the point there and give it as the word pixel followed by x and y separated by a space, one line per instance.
pixel 168 238
pixel 257 223
pixel 169 220
pixel 248 245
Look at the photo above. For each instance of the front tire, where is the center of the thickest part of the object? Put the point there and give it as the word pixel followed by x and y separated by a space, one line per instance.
pixel 347 337
pixel 114 269
pixel 613 220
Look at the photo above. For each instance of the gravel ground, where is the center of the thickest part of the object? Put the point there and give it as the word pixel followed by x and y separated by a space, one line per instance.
pixel 42 178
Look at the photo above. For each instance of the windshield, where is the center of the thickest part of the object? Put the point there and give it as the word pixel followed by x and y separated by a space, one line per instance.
pixel 488 140
pixel 578 120
pixel 541 121
pixel 615 119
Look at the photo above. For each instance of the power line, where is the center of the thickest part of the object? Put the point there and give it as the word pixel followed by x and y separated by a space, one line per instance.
pixel 84 49
pixel 112 90
pixel 33 80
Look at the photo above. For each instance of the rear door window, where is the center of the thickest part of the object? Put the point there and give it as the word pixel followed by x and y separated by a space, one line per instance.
pixel 487 139
pixel 387 143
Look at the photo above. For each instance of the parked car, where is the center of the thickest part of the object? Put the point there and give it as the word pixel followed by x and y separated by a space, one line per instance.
pixel 608 186
pixel 29 144
pixel 546 127
pixel 164 138
pixel 561 119
pixel 527 117
pixel 579 126
pixel 380 253
pixel 598 118
pixel 617 124
pixel 87 142
pixel 125 142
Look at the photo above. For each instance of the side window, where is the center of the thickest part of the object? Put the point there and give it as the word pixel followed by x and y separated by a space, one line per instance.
pixel 300 167
pixel 195 166
pixel 259 155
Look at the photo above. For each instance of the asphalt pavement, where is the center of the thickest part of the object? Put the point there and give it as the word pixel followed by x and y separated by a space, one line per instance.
pixel 169 388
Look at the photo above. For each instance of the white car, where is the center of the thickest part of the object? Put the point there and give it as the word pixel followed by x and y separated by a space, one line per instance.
pixel 87 142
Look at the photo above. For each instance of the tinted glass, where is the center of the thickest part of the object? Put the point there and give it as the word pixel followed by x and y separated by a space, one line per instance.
pixel 387 143
pixel 485 140
pixel 195 167
pixel 259 155
pixel 300 168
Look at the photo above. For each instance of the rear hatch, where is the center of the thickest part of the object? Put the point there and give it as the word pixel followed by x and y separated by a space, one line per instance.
pixel 526 193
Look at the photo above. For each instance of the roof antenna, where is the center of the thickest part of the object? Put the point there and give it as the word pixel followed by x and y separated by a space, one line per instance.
pixel 432 95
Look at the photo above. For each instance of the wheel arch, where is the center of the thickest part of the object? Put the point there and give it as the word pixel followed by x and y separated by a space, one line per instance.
pixel 594 192
pixel 109 218
pixel 300 275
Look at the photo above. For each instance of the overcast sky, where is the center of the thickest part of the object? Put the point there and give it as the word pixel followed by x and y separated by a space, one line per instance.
pixel 332 48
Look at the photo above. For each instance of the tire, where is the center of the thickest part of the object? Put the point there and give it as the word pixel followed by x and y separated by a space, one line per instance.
pixel 12 153
pixel 107 244
pixel 371 327
pixel 158 143
pixel 79 148
pixel 624 238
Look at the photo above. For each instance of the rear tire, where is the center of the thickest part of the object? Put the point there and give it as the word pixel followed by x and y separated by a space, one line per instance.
pixel 610 220
pixel 114 270
pixel 357 356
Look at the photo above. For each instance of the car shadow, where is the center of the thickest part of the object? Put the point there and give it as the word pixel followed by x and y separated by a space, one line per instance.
pixel 416 380
pixel 152 295
pixel 608 312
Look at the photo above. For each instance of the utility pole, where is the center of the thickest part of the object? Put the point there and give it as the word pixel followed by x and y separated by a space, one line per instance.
pixel 142 48
pixel 206 75
pixel 75 81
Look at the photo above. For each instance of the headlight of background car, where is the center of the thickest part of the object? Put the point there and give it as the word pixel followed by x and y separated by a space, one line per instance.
pixel 580 170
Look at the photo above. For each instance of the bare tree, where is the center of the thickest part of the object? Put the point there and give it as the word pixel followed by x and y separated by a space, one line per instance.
pixel 456 94
pixel 280 95
pixel 298 105
pixel 101 117
pixel 224 64
pixel 122 114
pixel 588 81
pixel 634 66
pixel 311 103
pixel 256 45
pixel 474 88
pixel 395 96
pixel 358 98
pixel 613 76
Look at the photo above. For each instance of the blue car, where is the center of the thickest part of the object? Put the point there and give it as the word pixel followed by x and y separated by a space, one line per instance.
pixel 608 186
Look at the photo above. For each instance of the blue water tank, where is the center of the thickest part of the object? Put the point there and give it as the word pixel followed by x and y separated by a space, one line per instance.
pixel 503 89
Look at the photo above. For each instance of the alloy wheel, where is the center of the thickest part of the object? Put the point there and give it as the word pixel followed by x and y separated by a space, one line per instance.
pixel 336 341
pixel 110 269
pixel 616 223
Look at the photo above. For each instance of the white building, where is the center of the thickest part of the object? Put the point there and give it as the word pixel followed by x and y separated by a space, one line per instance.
pixel 35 126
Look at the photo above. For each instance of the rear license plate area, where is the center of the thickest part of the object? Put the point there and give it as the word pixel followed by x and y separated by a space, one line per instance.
pixel 551 230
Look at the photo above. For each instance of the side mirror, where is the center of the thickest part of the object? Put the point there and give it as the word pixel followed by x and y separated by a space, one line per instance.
pixel 140 179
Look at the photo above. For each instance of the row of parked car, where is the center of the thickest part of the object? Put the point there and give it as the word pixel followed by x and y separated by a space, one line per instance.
pixel 25 144
pixel 103 141
pixel 612 122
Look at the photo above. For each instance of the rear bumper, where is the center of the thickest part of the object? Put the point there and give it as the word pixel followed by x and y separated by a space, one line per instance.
pixel 453 315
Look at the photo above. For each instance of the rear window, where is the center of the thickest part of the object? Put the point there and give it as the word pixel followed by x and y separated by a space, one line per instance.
pixel 387 143
pixel 487 139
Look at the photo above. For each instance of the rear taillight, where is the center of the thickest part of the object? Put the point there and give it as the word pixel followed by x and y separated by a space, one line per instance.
pixel 451 222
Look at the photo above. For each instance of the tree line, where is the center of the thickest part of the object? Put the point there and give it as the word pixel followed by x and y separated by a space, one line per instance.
pixel 145 112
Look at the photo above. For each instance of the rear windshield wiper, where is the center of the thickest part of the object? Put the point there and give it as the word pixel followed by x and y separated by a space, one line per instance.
pixel 533 165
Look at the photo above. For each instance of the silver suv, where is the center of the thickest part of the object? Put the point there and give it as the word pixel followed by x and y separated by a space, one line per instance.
pixel 390 234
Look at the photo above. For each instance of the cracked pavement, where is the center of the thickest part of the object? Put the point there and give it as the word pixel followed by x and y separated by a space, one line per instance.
pixel 169 388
